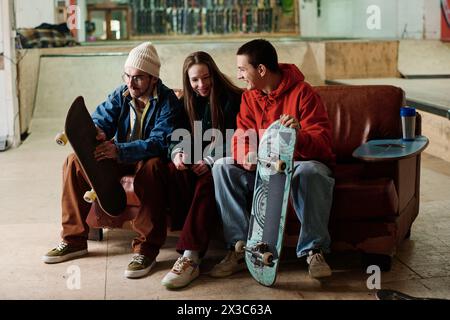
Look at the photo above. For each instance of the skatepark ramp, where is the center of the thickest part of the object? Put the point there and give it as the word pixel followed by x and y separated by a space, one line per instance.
pixel 424 59
pixel 62 78
pixel 50 79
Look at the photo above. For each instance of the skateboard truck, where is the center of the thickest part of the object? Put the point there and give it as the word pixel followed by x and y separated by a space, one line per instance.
pixel 61 139
pixel 260 252
pixel 279 165
pixel 90 196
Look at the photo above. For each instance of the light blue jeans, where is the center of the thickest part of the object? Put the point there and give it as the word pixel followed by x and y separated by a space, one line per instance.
pixel 311 195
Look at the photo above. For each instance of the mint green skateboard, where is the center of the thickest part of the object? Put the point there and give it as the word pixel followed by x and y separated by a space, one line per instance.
pixel 270 200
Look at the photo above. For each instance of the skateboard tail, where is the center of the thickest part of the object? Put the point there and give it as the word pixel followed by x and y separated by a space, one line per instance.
pixel 268 282
pixel 386 294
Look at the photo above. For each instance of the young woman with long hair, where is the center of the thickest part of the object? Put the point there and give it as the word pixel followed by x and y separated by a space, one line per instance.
pixel 211 101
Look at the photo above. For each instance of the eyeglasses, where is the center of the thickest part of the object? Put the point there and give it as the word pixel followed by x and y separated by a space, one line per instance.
pixel 136 79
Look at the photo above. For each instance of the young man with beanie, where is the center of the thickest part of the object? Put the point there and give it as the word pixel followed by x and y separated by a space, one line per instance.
pixel 277 91
pixel 134 125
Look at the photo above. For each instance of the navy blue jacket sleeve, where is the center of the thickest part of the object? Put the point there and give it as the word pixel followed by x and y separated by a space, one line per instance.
pixel 106 115
pixel 156 140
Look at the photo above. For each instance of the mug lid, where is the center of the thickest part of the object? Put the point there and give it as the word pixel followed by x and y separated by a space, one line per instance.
pixel 407 112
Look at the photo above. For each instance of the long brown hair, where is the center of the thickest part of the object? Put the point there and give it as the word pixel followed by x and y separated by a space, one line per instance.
pixel 221 87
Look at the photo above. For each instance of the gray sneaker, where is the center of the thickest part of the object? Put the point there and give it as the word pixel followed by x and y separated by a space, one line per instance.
pixel 318 267
pixel 232 263
pixel 64 252
pixel 139 266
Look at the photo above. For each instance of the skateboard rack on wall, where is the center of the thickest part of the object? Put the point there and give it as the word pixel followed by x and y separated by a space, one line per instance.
pixel 203 17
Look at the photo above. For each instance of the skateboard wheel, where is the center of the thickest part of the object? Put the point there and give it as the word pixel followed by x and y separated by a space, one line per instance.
pixel 267 258
pixel 239 246
pixel 280 166
pixel 90 196
pixel 61 139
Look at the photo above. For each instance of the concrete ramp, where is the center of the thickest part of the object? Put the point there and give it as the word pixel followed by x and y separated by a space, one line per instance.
pixel 93 73
pixel 63 78
pixel 424 59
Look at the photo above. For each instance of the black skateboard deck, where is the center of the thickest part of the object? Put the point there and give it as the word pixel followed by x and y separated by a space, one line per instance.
pixel 386 294
pixel 102 175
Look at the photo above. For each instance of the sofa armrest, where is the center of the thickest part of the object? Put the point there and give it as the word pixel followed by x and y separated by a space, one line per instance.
pixel 390 149
pixel 407 181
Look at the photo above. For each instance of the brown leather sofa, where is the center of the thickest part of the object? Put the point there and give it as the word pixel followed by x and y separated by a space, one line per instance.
pixel 374 203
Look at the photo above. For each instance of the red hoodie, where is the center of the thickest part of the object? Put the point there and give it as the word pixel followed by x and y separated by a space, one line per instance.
pixel 294 97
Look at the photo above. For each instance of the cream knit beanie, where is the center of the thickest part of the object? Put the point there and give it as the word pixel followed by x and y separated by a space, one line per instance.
pixel 145 58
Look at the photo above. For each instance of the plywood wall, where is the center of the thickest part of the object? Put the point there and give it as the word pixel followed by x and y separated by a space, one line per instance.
pixel 437 129
pixel 423 57
pixel 355 59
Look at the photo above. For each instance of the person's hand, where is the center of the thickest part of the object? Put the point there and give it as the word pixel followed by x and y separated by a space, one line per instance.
pixel 250 161
pixel 106 150
pixel 101 136
pixel 200 168
pixel 179 161
pixel 289 121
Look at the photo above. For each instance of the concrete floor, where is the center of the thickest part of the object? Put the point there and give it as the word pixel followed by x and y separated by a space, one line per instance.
pixel 30 184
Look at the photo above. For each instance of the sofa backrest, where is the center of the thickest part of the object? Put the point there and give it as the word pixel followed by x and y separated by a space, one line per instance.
pixel 361 113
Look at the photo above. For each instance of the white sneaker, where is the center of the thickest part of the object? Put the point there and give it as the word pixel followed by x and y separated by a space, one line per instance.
pixel 318 267
pixel 183 272
pixel 232 263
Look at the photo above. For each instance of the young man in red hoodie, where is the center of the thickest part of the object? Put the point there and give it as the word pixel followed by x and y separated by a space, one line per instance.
pixel 277 91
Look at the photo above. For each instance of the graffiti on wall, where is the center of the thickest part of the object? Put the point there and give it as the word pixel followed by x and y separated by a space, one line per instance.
pixel 445 20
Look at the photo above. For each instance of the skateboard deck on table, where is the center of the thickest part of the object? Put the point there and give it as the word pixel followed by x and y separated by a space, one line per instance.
pixel 102 175
pixel 270 200
pixel 386 294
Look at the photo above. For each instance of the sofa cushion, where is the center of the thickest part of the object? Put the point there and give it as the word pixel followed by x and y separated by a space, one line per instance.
pixel 348 171
pixel 364 199
pixel 366 236
pixel 361 113
pixel 97 218
pixel 356 199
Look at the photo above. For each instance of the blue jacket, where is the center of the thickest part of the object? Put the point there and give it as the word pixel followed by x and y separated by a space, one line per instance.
pixel 164 115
